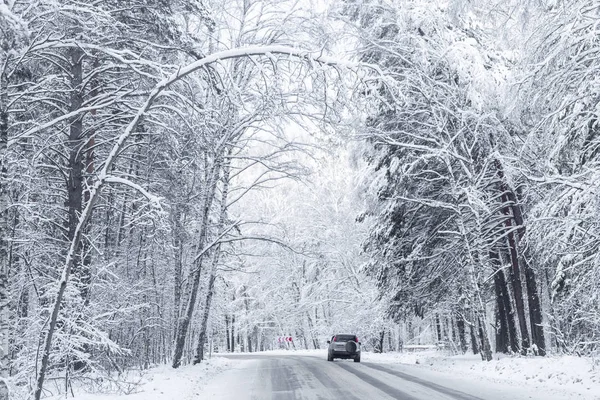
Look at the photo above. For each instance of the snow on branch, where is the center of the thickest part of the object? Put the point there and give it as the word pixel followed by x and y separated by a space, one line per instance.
pixel 154 200
pixel 103 176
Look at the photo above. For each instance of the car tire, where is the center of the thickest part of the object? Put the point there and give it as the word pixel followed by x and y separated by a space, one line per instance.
pixel 329 357
pixel 357 358
pixel 351 347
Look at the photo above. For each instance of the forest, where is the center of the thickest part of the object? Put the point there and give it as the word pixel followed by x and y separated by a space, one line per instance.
pixel 189 176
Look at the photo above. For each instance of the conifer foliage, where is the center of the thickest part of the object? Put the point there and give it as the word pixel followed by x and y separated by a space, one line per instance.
pixel 481 209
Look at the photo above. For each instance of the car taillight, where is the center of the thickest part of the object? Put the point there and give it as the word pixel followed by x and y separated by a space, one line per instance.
pixel 356 339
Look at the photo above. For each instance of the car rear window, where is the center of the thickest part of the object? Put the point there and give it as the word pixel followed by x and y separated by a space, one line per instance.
pixel 345 338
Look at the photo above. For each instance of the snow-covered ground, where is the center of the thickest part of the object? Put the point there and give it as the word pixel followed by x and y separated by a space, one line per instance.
pixel 559 371
pixel 159 383
pixel 567 377
pixel 563 374
pixel 435 376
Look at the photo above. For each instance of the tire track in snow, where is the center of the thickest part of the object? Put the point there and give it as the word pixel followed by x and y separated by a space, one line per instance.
pixel 384 387
pixel 327 380
pixel 455 394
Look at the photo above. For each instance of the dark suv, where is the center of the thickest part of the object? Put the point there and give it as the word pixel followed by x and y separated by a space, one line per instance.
pixel 343 346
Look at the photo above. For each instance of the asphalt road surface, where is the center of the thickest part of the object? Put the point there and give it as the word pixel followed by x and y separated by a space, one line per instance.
pixel 283 377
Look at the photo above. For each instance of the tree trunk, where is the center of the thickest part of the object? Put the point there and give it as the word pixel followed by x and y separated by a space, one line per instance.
pixel 515 276
pixel 4 234
pixel 227 333
pixel 204 322
pixel 213 270
pixel 438 327
pixel 177 268
pixel 552 320
pixel 311 327
pixel 141 264
pixel 535 312
pixel 474 345
pixel 484 343
pixel 75 184
pixel 533 299
pixel 233 332
pixel 510 315
pixel 248 330
pixel 460 325
pixel 86 248
pixel 474 259
pixel 506 331
pixel 186 318
pixel 501 324
pixel 381 338
pixel 255 338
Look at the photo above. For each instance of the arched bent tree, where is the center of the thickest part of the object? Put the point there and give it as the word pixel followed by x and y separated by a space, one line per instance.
pixel 272 53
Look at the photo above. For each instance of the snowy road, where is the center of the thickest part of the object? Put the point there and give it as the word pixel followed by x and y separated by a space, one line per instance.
pixel 305 377
pixel 282 376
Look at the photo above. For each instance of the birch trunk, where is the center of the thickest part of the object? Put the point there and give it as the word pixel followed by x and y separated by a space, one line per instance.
pixel 4 234
pixel 185 319
pixel 213 269
pixel 311 328
pixel 479 320
pixel 177 267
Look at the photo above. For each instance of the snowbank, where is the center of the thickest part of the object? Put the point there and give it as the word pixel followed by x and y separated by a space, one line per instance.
pixel 284 352
pixel 161 383
pixel 561 373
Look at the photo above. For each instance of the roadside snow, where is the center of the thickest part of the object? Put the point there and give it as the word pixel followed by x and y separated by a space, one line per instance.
pixel 563 377
pixel 161 383
pixel 579 376
pixel 284 352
